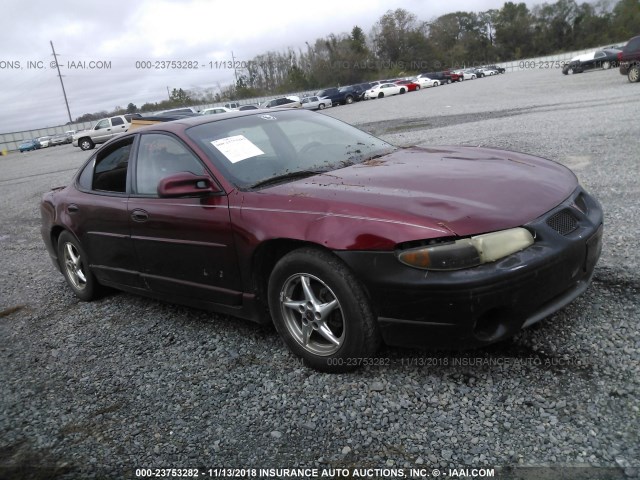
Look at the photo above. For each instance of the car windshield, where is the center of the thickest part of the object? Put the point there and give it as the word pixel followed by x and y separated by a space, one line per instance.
pixel 253 149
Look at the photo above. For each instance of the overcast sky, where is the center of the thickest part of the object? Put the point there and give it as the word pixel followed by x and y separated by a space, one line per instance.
pixel 121 33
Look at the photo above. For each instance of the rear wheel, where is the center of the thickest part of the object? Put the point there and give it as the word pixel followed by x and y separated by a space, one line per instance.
pixel 606 65
pixel 380 95
pixel 321 106
pixel 634 73
pixel 418 88
pixel 349 100
pixel 321 310
pixel 75 267
pixel 402 91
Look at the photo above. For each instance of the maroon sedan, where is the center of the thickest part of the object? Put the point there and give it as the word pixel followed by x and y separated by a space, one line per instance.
pixel 342 240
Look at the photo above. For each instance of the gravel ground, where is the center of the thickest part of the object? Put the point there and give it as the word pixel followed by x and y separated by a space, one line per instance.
pixel 96 390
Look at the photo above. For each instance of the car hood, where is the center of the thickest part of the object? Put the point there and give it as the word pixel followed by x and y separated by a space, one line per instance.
pixel 418 193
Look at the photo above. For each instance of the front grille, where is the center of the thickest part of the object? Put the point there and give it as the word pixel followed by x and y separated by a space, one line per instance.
pixel 563 222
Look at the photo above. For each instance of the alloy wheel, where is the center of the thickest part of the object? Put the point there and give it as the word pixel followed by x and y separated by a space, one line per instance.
pixel 312 314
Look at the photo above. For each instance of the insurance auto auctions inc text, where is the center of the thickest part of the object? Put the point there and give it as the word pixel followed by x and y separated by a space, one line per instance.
pixel 391 473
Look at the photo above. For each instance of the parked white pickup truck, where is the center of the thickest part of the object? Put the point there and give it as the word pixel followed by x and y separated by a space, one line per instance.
pixel 103 131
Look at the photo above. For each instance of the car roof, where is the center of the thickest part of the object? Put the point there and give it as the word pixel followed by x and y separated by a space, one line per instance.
pixel 182 124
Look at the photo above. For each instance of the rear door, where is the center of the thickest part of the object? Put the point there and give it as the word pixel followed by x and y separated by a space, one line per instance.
pixel 118 125
pixel 98 214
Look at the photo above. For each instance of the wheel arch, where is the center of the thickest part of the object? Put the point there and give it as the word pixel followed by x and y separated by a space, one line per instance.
pixel 270 252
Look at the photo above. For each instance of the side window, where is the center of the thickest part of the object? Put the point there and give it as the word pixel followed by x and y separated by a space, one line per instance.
pixel 116 121
pixel 102 124
pixel 160 156
pixel 110 172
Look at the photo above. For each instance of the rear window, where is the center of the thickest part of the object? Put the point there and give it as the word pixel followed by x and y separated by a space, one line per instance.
pixel 634 44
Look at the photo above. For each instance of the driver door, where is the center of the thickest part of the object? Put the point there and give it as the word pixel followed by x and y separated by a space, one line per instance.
pixel 184 245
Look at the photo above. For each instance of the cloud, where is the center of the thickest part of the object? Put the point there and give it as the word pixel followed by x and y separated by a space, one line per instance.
pixel 125 33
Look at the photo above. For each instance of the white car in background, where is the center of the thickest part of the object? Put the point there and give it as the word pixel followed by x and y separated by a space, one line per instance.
pixel 315 103
pixel 214 110
pixel 425 82
pixel 489 71
pixel 465 74
pixel 385 90
pixel 44 141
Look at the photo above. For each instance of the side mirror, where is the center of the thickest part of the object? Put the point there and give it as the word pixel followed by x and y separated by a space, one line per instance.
pixel 186 184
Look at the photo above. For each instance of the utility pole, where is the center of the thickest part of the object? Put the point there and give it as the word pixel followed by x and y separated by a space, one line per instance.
pixel 61 83
pixel 235 72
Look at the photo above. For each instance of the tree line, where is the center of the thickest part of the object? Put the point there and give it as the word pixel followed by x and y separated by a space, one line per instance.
pixel 401 44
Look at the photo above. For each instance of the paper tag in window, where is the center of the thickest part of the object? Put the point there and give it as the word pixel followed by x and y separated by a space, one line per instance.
pixel 237 148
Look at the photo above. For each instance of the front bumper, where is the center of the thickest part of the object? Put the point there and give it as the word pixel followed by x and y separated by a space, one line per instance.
pixel 485 304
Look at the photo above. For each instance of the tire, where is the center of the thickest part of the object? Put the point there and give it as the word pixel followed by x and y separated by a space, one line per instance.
pixel 570 71
pixel 348 100
pixel 86 143
pixel 606 65
pixel 321 311
pixel 381 95
pixel 448 81
pixel 75 268
pixel 402 91
pixel 634 73
pixel 417 88
pixel 321 106
pixel 436 84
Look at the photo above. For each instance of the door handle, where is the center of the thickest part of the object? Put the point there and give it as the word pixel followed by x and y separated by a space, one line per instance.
pixel 73 208
pixel 139 216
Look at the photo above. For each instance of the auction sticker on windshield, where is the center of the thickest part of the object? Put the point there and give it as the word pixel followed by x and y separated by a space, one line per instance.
pixel 237 148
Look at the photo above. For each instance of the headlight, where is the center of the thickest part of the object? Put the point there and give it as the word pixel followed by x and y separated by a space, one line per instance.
pixel 468 252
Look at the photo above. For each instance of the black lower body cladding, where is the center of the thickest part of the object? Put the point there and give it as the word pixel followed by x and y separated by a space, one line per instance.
pixel 481 305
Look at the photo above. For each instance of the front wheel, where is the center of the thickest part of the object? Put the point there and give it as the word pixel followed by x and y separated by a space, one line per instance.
pixel 606 65
pixel 381 95
pixel 634 73
pixel 321 311
pixel 321 106
pixel 75 267
pixel 418 88
pixel 349 100
pixel 86 143
pixel 402 91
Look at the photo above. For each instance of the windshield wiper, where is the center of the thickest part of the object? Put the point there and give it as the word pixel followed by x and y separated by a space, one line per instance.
pixel 285 176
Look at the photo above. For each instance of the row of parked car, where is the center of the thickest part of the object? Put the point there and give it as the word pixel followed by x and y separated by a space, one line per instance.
pixel 331 97
pixel 46 141
pixel 107 128
pixel 626 58
pixel 381 88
